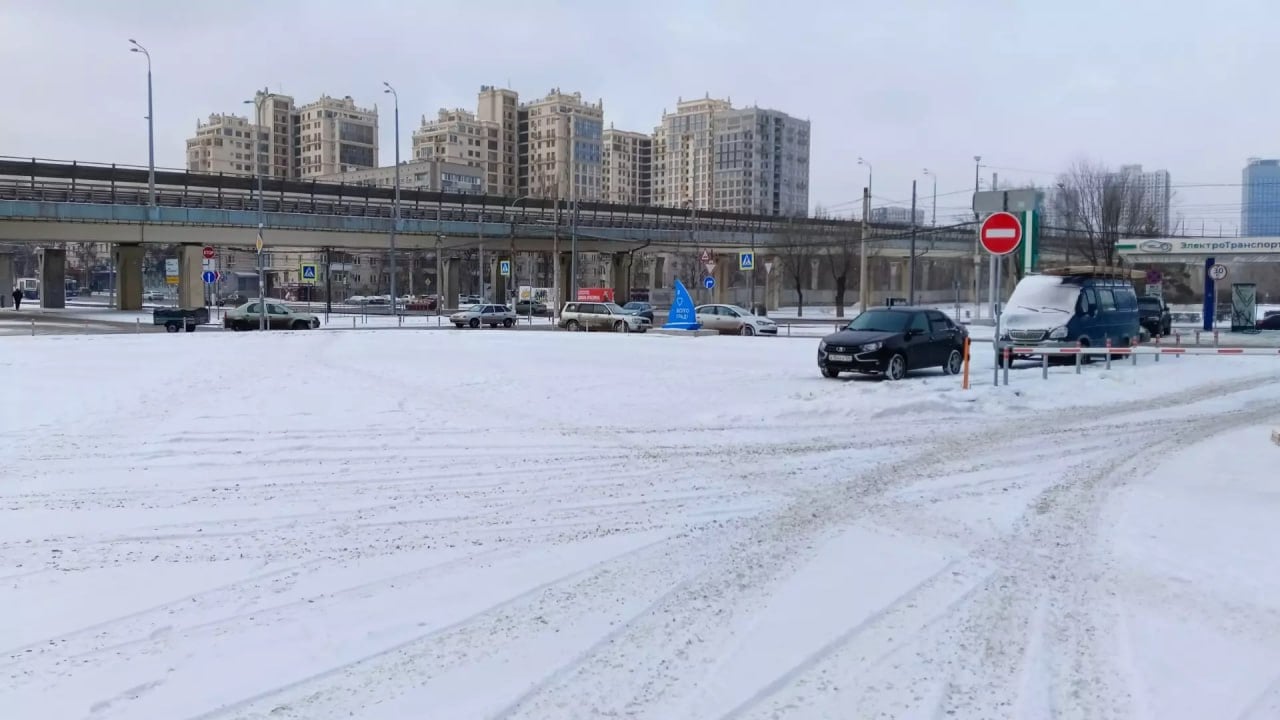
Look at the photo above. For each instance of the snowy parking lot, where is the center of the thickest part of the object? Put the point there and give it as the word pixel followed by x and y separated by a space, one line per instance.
pixel 462 525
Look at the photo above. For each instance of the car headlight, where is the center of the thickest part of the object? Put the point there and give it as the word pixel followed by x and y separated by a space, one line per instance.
pixel 822 346
pixel 1058 333
pixel 872 347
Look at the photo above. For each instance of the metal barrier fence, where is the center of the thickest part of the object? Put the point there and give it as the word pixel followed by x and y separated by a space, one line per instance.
pixel 1008 351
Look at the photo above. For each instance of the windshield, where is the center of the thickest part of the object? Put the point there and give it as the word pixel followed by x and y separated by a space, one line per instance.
pixel 881 320
pixel 742 312
pixel 1044 294
pixel 633 306
pixel 475 308
pixel 613 308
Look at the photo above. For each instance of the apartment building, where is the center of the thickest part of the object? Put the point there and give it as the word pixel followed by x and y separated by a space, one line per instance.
pixel 709 155
pixel 223 144
pixel 457 137
pixel 418 175
pixel 499 109
pixel 334 135
pixel 626 167
pixel 1156 190
pixel 561 139
pixel 277 116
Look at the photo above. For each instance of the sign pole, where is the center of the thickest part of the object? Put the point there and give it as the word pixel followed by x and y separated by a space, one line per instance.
pixel 995 313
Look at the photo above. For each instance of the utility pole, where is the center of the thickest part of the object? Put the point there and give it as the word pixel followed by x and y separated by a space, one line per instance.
pixel 911 262
pixel 395 208
pixel 977 246
pixel 257 165
pixel 864 291
pixel 573 202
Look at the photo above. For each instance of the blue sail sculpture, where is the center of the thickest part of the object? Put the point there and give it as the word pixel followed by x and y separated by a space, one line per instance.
pixel 682 315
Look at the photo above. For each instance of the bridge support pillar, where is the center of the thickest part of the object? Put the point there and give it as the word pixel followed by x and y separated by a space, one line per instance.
pixel 53 278
pixel 774 283
pixel 723 293
pixel 565 262
pixel 620 276
pixel 497 280
pixel 7 280
pixel 448 282
pixel 128 259
pixel 190 284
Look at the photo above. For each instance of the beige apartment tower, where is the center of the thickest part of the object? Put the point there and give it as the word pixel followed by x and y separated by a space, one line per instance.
pixel 223 144
pixel 278 119
pixel 627 167
pixel 564 153
pixel 499 110
pixel 336 136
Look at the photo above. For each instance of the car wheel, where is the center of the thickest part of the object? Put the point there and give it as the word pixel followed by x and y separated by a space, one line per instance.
pixel 171 327
pixel 572 326
pixel 475 322
pixel 621 326
pixel 508 323
pixel 301 325
pixel 830 373
pixel 747 330
pixel 954 364
pixel 896 369
pixel 459 325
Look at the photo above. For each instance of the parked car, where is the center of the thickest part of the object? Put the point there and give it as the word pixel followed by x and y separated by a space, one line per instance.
pixel 465 301
pixel 484 314
pixel 279 317
pixel 1154 315
pixel 601 316
pixel 892 341
pixel 235 299
pixel 1085 306
pixel 154 296
pixel 175 319
pixel 643 309
pixel 531 307
pixel 1270 322
pixel 733 319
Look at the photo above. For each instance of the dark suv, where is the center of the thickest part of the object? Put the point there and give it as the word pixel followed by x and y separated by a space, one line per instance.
pixel 1154 315
pixel 893 340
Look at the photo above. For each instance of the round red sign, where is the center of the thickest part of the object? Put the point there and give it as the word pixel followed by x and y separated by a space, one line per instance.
pixel 208 253
pixel 1001 233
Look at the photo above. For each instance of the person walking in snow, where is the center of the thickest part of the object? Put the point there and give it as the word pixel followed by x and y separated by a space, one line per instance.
pixel 17 298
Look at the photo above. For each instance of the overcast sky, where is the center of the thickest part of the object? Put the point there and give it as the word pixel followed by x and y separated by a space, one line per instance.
pixel 1031 85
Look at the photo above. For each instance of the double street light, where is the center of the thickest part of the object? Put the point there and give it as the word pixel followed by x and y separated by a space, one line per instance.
pixel 151 127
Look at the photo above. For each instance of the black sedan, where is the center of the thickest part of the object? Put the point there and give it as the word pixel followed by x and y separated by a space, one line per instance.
pixel 643 309
pixel 893 341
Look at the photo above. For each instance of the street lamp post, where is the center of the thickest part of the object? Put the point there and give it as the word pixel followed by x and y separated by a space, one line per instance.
pixel 977 246
pixel 933 220
pixel 257 169
pixel 395 208
pixel 151 128
pixel 869 171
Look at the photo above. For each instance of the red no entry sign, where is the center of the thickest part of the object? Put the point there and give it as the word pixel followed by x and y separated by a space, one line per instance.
pixel 1000 233
pixel 208 252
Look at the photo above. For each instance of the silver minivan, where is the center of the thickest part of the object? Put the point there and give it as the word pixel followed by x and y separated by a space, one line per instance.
pixel 600 316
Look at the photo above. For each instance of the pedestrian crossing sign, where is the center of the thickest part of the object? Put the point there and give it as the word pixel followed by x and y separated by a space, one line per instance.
pixel 309 273
pixel 504 268
pixel 746 261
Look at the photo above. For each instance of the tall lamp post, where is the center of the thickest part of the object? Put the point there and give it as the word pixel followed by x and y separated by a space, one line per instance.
pixel 869 171
pixel 395 208
pixel 977 245
pixel 933 221
pixel 151 128
pixel 257 169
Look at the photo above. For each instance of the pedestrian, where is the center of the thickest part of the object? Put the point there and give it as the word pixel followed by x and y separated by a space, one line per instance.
pixel 17 298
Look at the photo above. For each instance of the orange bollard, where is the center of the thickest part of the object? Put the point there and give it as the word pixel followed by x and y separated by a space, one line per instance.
pixel 966 363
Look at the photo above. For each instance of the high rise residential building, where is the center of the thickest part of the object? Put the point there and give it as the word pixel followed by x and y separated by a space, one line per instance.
pixel 322 138
pixel 627 166
pixel 709 155
pixel 1155 188
pixel 500 108
pixel 419 175
pixel 1260 198
pixel 456 136
pixel 278 118
pixel 334 135
pixel 223 144
pixel 563 152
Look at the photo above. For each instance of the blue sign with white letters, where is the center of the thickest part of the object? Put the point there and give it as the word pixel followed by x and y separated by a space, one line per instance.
pixel 210 277
pixel 709 282
pixel 682 315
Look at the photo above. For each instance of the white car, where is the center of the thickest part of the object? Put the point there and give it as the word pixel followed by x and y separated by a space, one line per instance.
pixel 484 314
pixel 733 319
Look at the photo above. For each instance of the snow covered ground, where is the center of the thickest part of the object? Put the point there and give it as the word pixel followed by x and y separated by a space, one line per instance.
pixel 553 525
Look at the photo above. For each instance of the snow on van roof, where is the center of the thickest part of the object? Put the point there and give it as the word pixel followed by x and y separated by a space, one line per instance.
pixel 1098 271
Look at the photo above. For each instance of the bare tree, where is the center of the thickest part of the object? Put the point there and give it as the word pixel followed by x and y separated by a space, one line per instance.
pixel 797 248
pixel 1095 208
pixel 842 248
